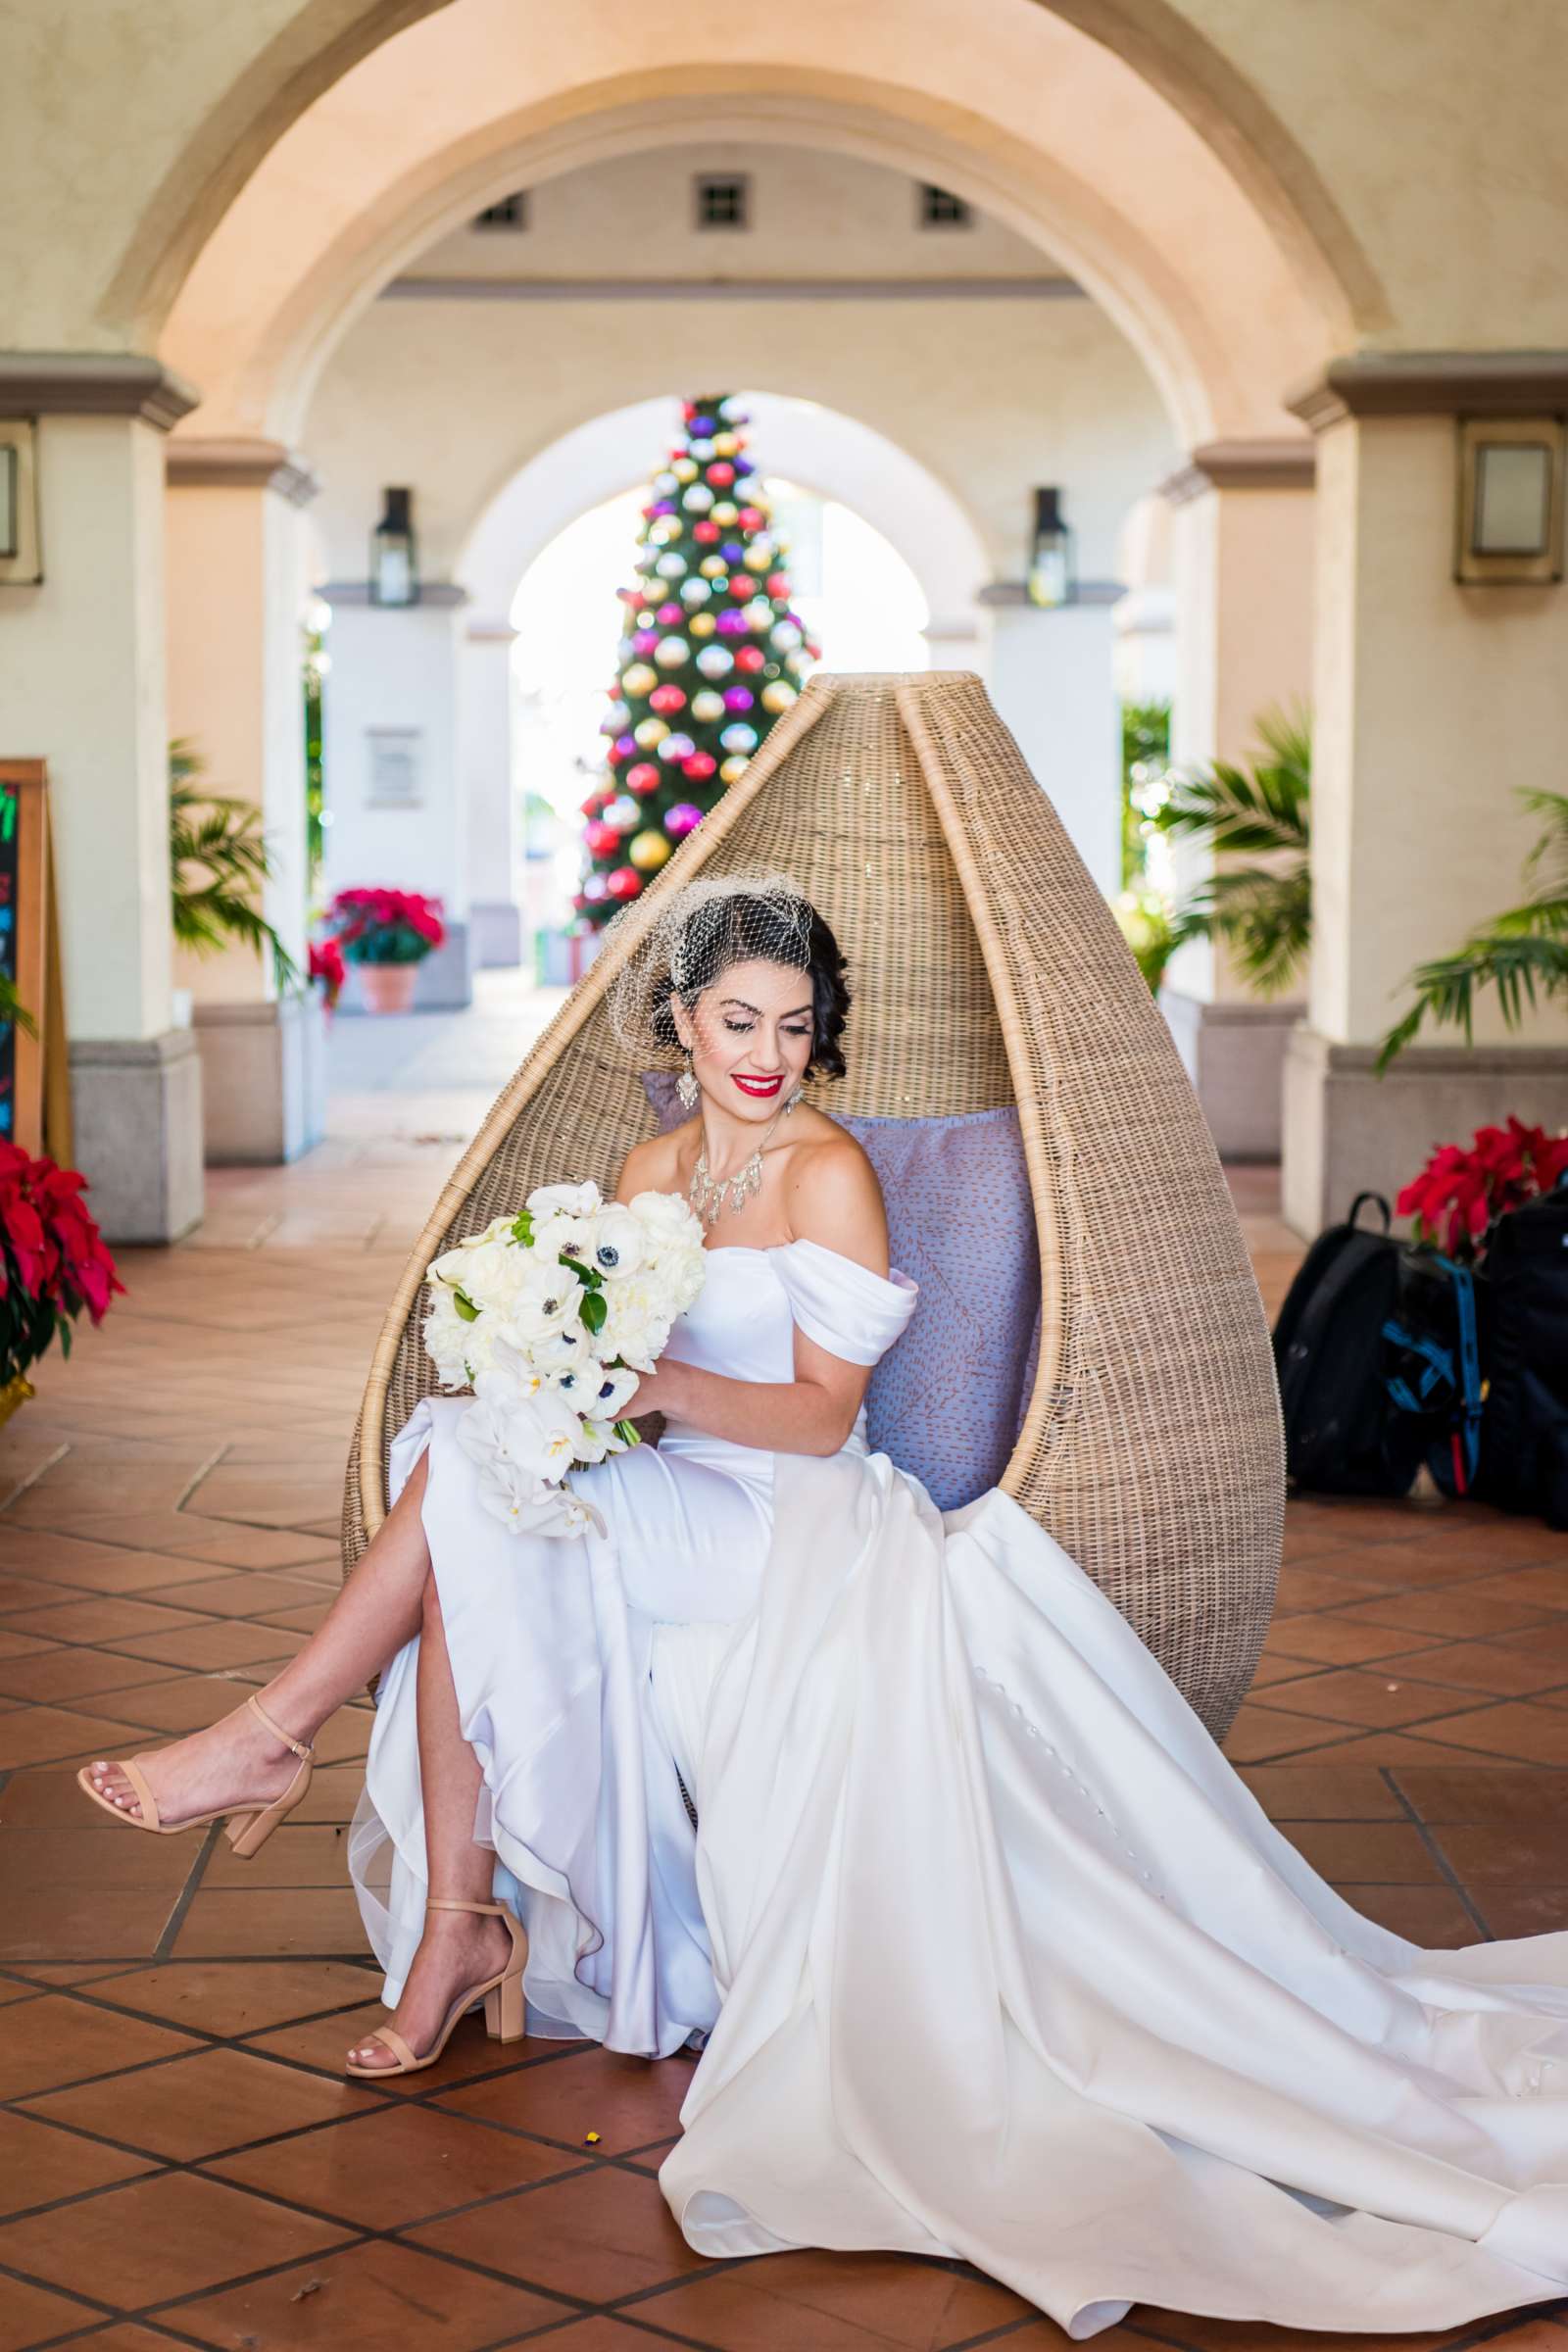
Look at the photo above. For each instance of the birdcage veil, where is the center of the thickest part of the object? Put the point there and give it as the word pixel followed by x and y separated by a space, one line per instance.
pixel 702 930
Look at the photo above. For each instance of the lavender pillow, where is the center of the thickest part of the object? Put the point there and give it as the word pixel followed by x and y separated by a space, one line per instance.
pixel 945 1401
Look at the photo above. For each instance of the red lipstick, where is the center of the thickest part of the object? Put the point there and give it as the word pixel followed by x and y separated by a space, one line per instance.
pixel 761 1088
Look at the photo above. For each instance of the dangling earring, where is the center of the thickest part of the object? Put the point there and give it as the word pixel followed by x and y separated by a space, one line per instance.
pixel 686 1086
pixel 794 1098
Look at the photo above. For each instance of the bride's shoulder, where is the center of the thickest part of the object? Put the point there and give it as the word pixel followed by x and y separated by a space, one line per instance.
pixel 832 1194
pixel 653 1165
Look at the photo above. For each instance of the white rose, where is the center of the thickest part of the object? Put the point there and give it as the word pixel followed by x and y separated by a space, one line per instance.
pixel 635 1326
pixel 668 1222
pixel 563 1200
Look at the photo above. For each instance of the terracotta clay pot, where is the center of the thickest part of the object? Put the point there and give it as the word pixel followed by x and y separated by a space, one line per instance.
pixel 388 987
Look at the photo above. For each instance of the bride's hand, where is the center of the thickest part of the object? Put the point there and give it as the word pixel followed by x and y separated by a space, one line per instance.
pixel 654 1391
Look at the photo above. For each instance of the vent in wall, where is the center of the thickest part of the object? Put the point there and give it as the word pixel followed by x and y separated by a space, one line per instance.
pixel 723 200
pixel 941 209
pixel 512 212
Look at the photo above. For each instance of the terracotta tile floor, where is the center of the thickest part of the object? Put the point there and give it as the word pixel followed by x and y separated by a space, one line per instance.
pixel 181 2163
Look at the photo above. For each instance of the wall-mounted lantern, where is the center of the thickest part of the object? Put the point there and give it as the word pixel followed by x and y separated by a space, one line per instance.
pixel 1049 576
pixel 19 565
pixel 1511 500
pixel 394 553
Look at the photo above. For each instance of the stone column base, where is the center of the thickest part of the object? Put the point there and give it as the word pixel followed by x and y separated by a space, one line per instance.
pixel 495 933
pixel 264 1080
pixel 1347 1131
pixel 136 1104
pixel 1234 1054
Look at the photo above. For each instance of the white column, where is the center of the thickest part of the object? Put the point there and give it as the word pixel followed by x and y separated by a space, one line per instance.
pixel 83 687
pixel 237 585
pixel 1242 518
pixel 489 793
pixel 390 756
pixel 1435 701
pixel 1050 674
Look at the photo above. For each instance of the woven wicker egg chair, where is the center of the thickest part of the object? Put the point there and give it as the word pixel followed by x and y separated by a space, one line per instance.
pixel 989 977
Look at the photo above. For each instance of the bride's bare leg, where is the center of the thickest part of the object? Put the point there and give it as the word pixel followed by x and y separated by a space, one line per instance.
pixel 236 1760
pixel 457 1948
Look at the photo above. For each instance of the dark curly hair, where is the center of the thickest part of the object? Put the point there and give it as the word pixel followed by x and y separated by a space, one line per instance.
pixel 743 928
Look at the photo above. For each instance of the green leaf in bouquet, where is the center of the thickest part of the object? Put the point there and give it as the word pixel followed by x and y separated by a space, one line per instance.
pixel 522 1226
pixel 465 1305
pixel 595 1312
pixel 589 1275
pixel 628 1433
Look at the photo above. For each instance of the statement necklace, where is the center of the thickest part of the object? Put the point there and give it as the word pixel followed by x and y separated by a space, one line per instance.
pixel 710 1197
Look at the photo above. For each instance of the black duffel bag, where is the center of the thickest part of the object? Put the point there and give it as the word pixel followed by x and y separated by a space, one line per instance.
pixel 1524 1444
pixel 1345 1434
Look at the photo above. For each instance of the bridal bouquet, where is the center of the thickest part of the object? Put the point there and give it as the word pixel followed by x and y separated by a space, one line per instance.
pixel 549 1316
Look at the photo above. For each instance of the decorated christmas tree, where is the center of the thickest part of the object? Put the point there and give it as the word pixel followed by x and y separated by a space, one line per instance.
pixel 710 657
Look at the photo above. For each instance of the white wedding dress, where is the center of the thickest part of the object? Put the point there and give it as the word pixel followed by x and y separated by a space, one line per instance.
pixel 994 1954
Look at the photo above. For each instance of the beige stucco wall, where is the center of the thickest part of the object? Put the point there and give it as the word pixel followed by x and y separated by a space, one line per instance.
pixel 990 398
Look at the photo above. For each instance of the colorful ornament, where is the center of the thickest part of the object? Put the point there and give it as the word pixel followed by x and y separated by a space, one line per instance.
pixel 670 652
pixel 785 635
pixel 668 616
pixel 777 697
pixel 715 661
pixel 740 587
pixel 667 699
pixel 738 738
pixel 623 813
pixel 698 767
pixel 702 624
pixel 695 591
pixel 640 679
pixel 624 883
pixel 751 519
pixel 733 769
pixel 758 555
pixel 705 534
pixel 677 746
pixel 595 888
pixel 738 698
pixel 644 777
pixel 602 839
pixel 713 568
pixel 726 513
pixel 721 475
pixel 707 705
pixel 683 819
pixel 671 565
pixel 697 499
pixel 648 850
pixel 649 732
pixel 725 445
pixel 684 469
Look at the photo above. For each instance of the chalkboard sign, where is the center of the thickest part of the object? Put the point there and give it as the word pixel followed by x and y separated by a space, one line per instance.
pixel 30 957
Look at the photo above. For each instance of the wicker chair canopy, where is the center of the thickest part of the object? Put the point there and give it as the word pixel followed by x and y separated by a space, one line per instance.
pixel 987 975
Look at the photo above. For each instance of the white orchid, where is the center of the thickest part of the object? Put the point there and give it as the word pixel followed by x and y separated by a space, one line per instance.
pixel 563 1200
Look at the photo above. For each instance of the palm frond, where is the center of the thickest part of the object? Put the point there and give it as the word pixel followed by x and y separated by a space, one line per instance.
pixel 219 865
pixel 1262 912
pixel 1521 965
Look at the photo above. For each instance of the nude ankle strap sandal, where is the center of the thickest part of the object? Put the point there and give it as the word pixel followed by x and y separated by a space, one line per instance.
pixel 249 1826
pixel 503 2012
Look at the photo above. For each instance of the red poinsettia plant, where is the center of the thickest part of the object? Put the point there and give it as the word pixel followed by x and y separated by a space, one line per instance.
pixel 385 926
pixel 328 971
pixel 52 1261
pixel 1460 1192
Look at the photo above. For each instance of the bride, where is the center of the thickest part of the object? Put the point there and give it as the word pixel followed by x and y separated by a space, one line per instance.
pixel 989 1951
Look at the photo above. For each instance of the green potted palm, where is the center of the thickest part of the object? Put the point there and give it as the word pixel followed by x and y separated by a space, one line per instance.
pixel 218 864
pixel 1257 820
